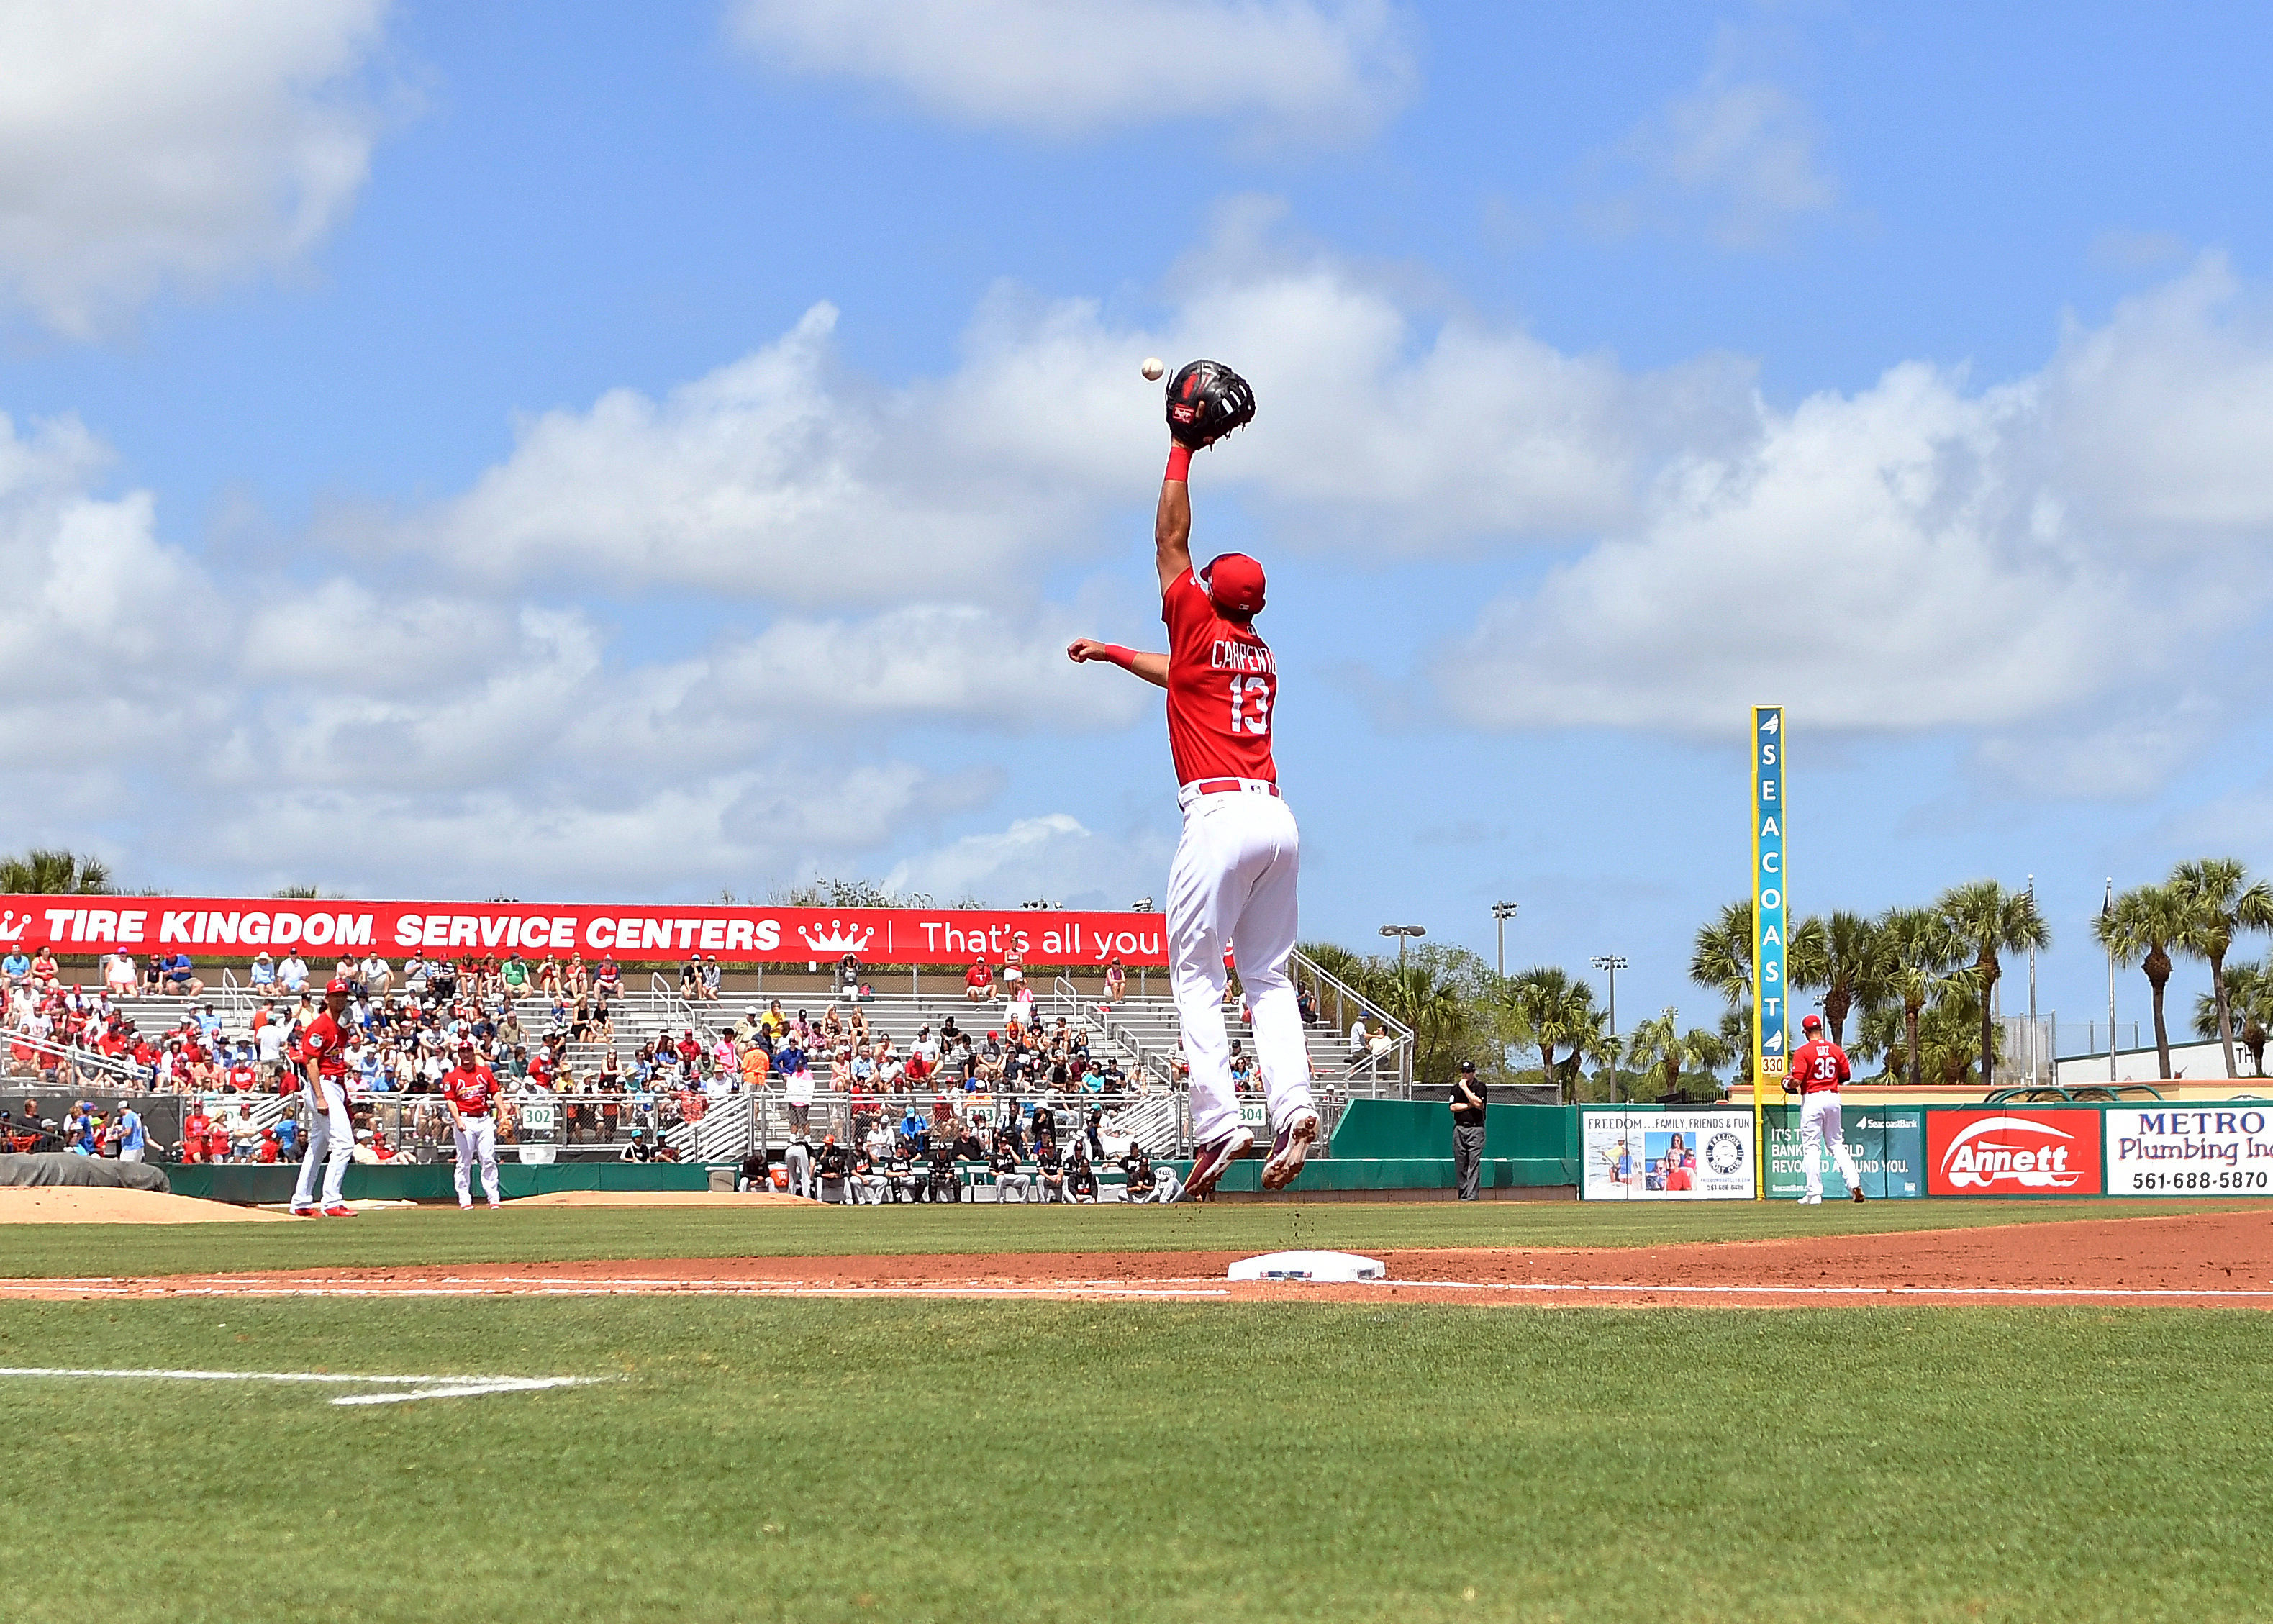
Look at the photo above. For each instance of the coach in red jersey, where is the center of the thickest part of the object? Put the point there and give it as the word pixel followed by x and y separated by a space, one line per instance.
pixel 1233 882
pixel 1819 1067
pixel 471 1089
pixel 323 1060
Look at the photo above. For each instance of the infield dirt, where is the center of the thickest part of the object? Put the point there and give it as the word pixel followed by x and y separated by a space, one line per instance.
pixel 2215 1259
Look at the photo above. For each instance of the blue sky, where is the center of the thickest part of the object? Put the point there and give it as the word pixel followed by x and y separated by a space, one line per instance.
pixel 570 451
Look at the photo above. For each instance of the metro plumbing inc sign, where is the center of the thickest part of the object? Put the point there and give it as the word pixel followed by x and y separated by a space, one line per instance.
pixel 2013 1152
pixel 228 928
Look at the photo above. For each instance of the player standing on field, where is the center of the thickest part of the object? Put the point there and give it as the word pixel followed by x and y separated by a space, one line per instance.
pixel 471 1089
pixel 1818 1067
pixel 1234 879
pixel 331 1133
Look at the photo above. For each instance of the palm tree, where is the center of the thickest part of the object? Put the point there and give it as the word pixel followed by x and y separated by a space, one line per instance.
pixel 1427 1000
pixel 1916 948
pixel 2140 929
pixel 1991 920
pixel 1660 1045
pixel 1559 1011
pixel 1723 958
pixel 2250 1006
pixel 56 874
pixel 2220 900
pixel 1841 956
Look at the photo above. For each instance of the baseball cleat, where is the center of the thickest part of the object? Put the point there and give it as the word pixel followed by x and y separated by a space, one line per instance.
pixel 465 1206
pixel 341 1211
pixel 1290 1148
pixel 1210 1159
pixel 307 1212
pixel 1811 1200
pixel 1857 1192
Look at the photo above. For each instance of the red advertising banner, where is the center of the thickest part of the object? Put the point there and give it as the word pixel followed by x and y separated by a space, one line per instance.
pixel 2014 1151
pixel 239 926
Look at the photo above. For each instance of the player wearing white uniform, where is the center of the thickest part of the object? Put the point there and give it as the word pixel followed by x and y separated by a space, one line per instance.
pixel 471 1089
pixel 1818 1067
pixel 331 1133
pixel 1233 882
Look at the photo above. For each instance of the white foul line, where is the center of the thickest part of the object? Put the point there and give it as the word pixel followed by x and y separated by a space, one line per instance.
pixel 1628 1291
pixel 414 1387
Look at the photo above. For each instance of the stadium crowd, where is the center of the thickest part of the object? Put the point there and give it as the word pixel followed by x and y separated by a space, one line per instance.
pixel 547 1028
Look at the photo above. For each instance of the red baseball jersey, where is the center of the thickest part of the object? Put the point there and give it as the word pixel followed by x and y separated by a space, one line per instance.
pixel 322 1041
pixel 1820 1065
pixel 1223 689
pixel 470 1088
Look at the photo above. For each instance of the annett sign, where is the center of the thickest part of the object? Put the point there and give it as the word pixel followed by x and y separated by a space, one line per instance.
pixel 240 926
pixel 2013 1153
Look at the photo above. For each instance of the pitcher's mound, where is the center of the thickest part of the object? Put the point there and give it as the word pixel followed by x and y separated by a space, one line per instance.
pixel 72 1204
pixel 657 1198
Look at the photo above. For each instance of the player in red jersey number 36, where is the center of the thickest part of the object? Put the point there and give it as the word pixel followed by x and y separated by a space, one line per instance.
pixel 1234 879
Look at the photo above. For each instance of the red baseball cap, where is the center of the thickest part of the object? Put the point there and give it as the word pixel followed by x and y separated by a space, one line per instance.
pixel 1235 581
pixel 1813 1023
pixel 336 986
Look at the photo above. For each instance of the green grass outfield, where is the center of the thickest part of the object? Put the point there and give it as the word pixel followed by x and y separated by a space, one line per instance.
pixel 552 1233
pixel 832 1460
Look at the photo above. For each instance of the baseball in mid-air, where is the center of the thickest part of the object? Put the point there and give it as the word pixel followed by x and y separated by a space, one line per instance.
pixel 1154 366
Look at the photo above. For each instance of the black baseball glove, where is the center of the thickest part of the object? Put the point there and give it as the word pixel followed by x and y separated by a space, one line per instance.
pixel 1207 401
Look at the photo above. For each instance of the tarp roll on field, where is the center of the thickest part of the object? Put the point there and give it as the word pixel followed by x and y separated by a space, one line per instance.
pixel 53 1167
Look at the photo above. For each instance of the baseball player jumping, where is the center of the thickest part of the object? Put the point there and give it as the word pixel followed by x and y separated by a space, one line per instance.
pixel 471 1089
pixel 331 1132
pixel 1234 878
pixel 1818 1067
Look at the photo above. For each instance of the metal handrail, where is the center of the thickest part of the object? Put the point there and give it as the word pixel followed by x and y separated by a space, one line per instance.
pixel 80 1059
pixel 1402 1045
pixel 2056 1093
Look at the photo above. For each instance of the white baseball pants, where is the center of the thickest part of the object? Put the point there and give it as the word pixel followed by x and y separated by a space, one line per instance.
pixel 1819 1126
pixel 331 1140
pixel 1232 882
pixel 478 1138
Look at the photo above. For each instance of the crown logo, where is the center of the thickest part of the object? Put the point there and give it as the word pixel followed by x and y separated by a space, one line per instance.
pixel 11 929
pixel 838 938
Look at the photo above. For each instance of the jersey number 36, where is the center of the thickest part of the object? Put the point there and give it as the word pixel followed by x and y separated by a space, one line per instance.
pixel 1251 704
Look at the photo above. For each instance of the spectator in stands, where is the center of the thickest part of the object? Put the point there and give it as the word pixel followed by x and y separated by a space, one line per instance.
pixel 755 1065
pixel 377 977
pixel 1306 1004
pixel 797 1092
pixel 690 978
pixel 118 973
pixel 45 976
pixel 713 977
pixel 181 976
pixel 514 978
pixel 979 982
pixel 575 980
pixel 1116 982
pixel 262 976
pixel 1008 1181
pixel 609 980
pixel 16 968
pixel 292 976
pixel 1019 1006
pixel 1014 972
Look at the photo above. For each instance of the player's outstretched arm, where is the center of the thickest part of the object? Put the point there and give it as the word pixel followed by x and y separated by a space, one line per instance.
pixel 1172 523
pixel 1152 668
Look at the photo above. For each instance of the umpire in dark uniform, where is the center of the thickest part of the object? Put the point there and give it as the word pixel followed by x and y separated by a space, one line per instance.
pixel 1467 1128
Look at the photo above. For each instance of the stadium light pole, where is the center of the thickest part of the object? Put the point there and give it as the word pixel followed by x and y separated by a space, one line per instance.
pixel 1503 912
pixel 1401 932
pixel 2107 911
pixel 1610 964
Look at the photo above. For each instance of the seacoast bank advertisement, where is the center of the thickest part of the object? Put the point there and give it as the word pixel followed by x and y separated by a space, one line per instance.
pixel 239 926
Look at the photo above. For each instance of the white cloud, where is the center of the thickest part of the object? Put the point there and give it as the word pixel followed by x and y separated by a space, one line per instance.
pixel 1060 67
pixel 144 142
pixel 1738 159
pixel 1918 557
pixel 1052 858
pixel 783 477
pixel 462 741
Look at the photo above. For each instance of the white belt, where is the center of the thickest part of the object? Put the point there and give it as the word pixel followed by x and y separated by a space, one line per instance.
pixel 1198 787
